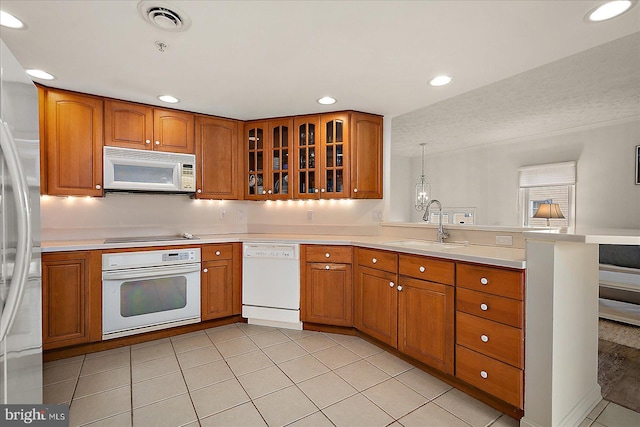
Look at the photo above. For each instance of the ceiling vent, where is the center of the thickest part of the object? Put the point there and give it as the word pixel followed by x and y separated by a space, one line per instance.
pixel 164 16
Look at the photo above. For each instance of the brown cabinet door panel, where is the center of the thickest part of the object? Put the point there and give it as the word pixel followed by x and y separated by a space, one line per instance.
pixel 493 339
pixel 216 289
pixel 73 144
pixel 128 125
pixel 366 156
pixel 64 302
pixel 377 304
pixel 425 268
pixel 333 254
pixel 496 378
pixel 328 294
pixel 492 307
pixel 425 322
pixel 501 282
pixel 173 131
pixel 217 156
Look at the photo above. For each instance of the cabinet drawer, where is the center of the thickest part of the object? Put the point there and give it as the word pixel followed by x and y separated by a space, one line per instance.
pixel 217 252
pixel 493 339
pixel 492 307
pixel 334 254
pixel 496 378
pixel 380 260
pixel 495 281
pixel 427 269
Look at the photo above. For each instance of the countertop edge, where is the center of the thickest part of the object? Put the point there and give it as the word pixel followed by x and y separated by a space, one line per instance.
pixel 373 242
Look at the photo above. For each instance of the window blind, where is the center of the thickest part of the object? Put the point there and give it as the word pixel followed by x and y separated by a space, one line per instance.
pixel 548 175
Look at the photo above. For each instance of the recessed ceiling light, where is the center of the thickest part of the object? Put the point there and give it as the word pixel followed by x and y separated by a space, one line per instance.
pixel 9 21
pixel 440 81
pixel 168 98
pixel 609 10
pixel 326 100
pixel 39 74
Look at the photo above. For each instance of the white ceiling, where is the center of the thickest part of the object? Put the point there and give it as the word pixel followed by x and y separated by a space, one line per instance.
pixel 246 60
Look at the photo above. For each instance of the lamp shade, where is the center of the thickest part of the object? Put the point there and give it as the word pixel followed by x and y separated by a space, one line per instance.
pixel 548 210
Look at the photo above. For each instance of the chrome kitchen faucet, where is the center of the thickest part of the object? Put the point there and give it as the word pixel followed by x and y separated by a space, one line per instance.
pixel 441 233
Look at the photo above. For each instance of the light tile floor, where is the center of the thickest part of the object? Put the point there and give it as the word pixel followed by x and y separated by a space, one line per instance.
pixel 246 375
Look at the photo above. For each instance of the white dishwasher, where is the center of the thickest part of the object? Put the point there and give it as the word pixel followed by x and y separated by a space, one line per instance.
pixel 271 284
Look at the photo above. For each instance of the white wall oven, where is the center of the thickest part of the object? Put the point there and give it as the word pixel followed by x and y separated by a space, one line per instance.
pixel 149 290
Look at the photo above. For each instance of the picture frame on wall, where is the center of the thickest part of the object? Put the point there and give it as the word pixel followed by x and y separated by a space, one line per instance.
pixel 637 164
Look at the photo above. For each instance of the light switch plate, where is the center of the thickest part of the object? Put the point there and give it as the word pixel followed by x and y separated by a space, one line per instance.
pixel 310 215
pixel 504 240
pixel 241 215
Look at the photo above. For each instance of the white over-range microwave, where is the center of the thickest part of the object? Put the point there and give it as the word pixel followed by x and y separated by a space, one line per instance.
pixel 127 169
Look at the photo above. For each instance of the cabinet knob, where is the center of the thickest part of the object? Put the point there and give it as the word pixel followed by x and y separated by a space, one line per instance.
pixel 147 142
pixel 157 142
pixel 484 281
pixel 264 192
pixel 98 187
pixel 217 253
pixel 422 269
pixel 327 255
pixel 269 192
pixel 484 374
pixel 484 307
pixel 399 288
pixel 317 190
pixel 206 270
pixel 322 190
pixel 391 284
pixel 484 338
pixel 355 190
pixel 327 267
pixel 199 190
pixel 374 260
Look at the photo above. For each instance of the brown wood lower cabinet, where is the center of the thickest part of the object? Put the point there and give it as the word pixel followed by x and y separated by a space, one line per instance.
pixel 326 285
pixel 71 298
pixel 220 281
pixel 425 322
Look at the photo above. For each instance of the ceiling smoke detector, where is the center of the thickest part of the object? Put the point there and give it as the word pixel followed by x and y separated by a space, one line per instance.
pixel 164 16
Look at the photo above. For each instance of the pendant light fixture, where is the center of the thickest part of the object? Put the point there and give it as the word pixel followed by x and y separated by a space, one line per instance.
pixel 423 189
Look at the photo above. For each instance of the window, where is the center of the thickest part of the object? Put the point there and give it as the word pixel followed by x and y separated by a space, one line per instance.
pixel 550 183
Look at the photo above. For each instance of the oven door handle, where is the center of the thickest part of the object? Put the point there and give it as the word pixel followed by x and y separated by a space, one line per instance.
pixel 139 273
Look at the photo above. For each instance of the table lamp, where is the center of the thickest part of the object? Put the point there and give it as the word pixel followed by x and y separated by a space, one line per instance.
pixel 548 210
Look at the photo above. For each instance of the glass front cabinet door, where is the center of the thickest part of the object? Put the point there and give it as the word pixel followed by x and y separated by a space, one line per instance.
pixel 256 144
pixel 335 149
pixel 280 184
pixel 307 157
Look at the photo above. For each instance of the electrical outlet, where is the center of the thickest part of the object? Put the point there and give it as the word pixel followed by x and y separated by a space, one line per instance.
pixel 376 215
pixel 241 215
pixel 310 215
pixel 504 240
pixel 222 214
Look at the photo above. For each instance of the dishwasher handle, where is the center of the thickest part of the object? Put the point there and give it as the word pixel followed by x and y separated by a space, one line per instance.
pixel 139 273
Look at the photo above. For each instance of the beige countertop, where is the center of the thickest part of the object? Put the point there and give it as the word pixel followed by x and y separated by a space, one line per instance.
pixel 489 255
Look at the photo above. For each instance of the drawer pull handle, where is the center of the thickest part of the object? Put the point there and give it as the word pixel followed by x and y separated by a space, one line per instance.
pixel 206 270
pixel 327 255
pixel 484 281
pixel 374 260
pixel 484 307
pixel 217 253
pixel 484 374
pixel 484 338
pixel 422 269
pixel 327 267
pixel 391 284
pixel 399 288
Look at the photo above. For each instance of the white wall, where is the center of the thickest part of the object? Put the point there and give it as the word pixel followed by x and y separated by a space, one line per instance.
pixel 487 177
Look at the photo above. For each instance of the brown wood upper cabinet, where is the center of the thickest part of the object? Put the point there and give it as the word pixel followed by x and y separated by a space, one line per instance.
pixel 218 158
pixel 268 147
pixel 130 125
pixel 366 156
pixel 71 144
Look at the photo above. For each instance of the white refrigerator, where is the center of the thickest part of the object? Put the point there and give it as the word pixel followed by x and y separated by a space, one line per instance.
pixel 20 275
